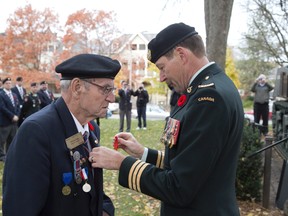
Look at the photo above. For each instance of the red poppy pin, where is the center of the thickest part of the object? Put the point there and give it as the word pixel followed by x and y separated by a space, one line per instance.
pixel 182 99
pixel 91 127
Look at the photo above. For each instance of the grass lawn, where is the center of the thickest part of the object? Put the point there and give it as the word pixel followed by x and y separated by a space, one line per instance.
pixel 126 201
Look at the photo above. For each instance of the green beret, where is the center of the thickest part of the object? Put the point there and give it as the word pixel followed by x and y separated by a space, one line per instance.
pixel 167 39
pixel 88 66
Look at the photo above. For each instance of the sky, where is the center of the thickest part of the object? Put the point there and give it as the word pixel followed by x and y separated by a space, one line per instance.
pixel 135 16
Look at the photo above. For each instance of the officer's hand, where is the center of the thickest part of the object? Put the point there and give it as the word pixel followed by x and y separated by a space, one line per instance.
pixel 129 144
pixel 103 157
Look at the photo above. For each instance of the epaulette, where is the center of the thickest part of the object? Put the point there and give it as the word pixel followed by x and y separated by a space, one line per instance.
pixel 204 84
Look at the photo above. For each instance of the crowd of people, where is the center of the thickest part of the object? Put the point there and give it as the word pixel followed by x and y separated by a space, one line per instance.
pixel 16 104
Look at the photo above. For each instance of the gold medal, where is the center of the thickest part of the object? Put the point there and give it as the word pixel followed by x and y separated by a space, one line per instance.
pixel 66 190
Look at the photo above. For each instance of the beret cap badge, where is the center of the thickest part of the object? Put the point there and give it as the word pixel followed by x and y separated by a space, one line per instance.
pixel 149 55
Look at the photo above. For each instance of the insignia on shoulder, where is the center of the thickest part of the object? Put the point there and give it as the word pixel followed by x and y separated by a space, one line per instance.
pixel 211 99
pixel 206 85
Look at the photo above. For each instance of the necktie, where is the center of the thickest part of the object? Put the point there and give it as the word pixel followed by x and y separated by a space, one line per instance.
pixel 11 98
pixel 21 92
pixel 48 94
pixel 86 142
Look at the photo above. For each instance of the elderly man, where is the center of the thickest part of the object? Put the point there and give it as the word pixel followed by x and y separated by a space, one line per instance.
pixel 262 89
pixel 47 171
pixel 196 173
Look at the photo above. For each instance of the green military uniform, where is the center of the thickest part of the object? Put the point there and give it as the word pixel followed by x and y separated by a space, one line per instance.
pixel 196 174
pixel 31 104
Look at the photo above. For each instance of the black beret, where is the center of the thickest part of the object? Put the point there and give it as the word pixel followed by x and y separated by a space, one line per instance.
pixel 43 82
pixel 167 39
pixel 33 84
pixel 19 79
pixel 88 66
pixel 6 79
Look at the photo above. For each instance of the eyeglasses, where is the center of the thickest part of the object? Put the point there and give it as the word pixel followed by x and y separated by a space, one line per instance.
pixel 105 89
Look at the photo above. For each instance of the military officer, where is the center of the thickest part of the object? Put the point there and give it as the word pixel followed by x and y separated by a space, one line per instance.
pixel 31 102
pixel 47 171
pixel 195 175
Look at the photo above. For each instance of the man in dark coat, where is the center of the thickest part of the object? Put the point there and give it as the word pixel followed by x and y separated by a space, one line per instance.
pixel 125 106
pixel 20 91
pixel 47 171
pixel 196 173
pixel 141 103
pixel 9 116
pixel 45 95
pixel 31 102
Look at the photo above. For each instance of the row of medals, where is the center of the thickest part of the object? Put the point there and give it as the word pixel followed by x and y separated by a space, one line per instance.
pixel 79 175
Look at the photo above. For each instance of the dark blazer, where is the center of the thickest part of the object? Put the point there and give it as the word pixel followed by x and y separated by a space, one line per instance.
pixel 142 97
pixel 36 161
pixel 16 91
pixel 197 174
pixel 45 100
pixel 125 99
pixel 7 110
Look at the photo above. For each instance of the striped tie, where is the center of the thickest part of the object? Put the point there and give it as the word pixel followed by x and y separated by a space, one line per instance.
pixel 11 98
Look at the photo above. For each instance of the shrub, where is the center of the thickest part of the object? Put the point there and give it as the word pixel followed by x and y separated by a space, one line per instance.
pixel 250 170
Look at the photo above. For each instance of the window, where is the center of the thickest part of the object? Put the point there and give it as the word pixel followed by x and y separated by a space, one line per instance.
pixel 142 46
pixel 133 46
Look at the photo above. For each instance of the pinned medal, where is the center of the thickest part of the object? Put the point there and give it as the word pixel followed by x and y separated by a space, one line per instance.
pixel 115 144
pixel 86 187
pixel 77 167
pixel 66 178
pixel 66 190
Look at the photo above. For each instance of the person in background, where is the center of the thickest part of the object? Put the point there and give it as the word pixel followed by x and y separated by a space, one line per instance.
pixel 261 90
pixel 125 105
pixel 31 101
pixel 45 95
pixel 9 117
pixel 195 175
pixel 20 91
pixel 141 103
pixel 47 171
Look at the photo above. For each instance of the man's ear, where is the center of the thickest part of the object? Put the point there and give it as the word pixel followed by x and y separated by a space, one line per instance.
pixel 76 86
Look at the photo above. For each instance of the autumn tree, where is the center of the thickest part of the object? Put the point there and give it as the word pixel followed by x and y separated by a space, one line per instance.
pixel 230 68
pixel 26 40
pixel 90 31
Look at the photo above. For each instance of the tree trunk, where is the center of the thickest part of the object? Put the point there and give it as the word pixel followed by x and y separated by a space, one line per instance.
pixel 217 21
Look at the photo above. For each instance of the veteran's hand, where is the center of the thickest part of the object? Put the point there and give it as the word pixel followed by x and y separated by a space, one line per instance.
pixel 102 157
pixel 129 144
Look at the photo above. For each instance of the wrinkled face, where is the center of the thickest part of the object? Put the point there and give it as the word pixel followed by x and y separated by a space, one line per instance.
pixel 96 96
